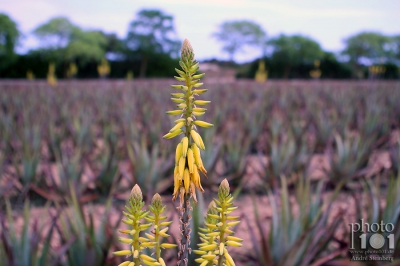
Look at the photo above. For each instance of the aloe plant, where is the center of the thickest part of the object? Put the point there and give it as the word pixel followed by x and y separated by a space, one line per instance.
pixel 350 160
pixel 212 155
pixel 88 245
pixel 55 138
pixel 286 155
pixel 148 167
pixel 235 151
pixel 108 161
pixel 391 213
pixel 30 156
pixel 151 119
pixel 2 160
pixel 80 130
pixel 24 248
pixel 374 123
pixel 6 127
pixel 70 169
pixel 377 214
pixel 324 126
pixel 296 237
pixel 394 153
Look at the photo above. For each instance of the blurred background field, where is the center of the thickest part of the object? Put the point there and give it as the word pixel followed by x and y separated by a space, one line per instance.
pixel 305 99
pixel 303 158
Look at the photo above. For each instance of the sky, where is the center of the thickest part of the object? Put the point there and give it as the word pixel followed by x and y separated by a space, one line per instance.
pixel 328 22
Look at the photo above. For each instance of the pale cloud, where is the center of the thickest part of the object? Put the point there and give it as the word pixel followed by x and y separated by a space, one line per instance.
pixel 293 9
pixel 28 13
pixel 304 12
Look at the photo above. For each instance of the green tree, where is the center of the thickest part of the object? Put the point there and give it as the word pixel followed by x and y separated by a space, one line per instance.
pixel 63 42
pixel 9 35
pixel 114 44
pixel 373 47
pixel 294 50
pixel 236 35
pixel 151 33
pixel 395 49
pixel 86 46
pixel 56 33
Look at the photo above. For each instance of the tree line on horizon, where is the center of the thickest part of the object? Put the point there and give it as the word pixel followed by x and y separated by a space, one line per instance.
pixel 151 49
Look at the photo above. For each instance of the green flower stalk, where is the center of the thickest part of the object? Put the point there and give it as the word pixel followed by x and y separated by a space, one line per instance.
pixel 188 163
pixel 158 232
pixel 134 216
pixel 217 236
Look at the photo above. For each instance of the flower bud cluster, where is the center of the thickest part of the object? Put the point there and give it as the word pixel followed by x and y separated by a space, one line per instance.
pixel 217 235
pixel 136 237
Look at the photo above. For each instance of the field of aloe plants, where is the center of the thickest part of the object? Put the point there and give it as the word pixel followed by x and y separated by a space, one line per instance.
pixel 303 160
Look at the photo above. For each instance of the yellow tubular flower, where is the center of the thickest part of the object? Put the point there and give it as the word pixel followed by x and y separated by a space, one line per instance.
pixel 182 162
pixel 177 182
pixel 193 191
pixel 229 258
pixel 186 180
pixel 185 142
pixel 196 154
pixel 161 262
pixel 123 253
pixel 190 160
pixel 173 134
pixel 178 153
pixel 196 179
pixel 177 126
pixel 199 123
pixel 125 263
